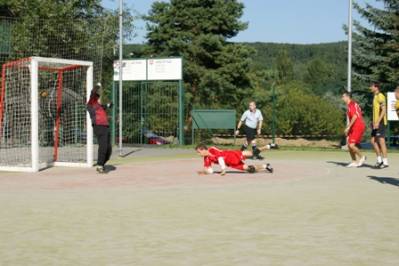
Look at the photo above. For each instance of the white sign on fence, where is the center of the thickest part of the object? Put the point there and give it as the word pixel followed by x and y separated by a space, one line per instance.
pixel 164 69
pixel 131 70
pixel 392 114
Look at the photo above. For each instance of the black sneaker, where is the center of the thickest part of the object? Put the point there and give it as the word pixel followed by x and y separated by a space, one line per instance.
pixel 378 165
pixel 259 157
pixel 269 168
pixel 101 169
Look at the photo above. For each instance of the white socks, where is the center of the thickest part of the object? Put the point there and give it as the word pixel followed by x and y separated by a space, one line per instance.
pixel 382 160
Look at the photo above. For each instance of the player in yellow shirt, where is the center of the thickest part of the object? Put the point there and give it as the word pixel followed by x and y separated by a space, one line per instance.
pixel 379 126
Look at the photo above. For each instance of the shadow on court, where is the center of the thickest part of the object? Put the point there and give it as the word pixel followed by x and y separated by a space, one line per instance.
pixel 128 153
pixel 342 164
pixel 231 172
pixel 385 180
pixel 338 163
pixel 241 172
pixel 110 168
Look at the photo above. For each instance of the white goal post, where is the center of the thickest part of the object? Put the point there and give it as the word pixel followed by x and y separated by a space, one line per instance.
pixel 43 117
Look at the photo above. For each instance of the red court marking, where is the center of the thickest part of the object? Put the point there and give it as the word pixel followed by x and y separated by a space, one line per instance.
pixel 163 174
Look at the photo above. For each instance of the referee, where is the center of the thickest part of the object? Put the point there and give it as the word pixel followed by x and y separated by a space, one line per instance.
pixel 253 125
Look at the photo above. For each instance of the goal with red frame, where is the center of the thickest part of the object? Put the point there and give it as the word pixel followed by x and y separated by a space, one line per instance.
pixel 43 117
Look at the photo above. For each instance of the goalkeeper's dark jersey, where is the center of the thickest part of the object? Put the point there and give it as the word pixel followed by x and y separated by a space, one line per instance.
pixel 97 111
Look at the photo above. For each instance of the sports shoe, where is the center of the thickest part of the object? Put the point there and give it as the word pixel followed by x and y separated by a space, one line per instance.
pixel 383 165
pixel 257 155
pixel 101 169
pixel 273 146
pixel 269 168
pixel 352 165
pixel 378 165
pixel 362 161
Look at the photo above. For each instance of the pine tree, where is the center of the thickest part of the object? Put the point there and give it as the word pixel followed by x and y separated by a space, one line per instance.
pixel 376 48
pixel 215 70
pixel 285 67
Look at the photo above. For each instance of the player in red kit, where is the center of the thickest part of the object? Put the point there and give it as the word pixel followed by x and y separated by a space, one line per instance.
pixel 354 130
pixel 229 158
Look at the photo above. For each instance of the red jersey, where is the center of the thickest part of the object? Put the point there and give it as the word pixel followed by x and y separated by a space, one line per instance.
pixel 354 109
pixel 234 159
pixel 97 111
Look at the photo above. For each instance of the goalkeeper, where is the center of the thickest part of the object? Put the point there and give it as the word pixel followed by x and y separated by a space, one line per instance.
pixel 100 124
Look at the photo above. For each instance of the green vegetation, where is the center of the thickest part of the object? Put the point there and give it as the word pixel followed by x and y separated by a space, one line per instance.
pixel 66 29
pixel 376 47
pixel 223 74
pixel 376 51
pixel 301 112
pixel 219 73
pixel 216 72
pixel 322 66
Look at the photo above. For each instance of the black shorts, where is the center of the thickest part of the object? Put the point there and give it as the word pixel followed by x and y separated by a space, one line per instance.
pixel 250 133
pixel 380 132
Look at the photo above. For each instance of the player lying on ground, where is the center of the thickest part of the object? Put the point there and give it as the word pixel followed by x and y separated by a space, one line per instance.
pixel 229 158
pixel 354 130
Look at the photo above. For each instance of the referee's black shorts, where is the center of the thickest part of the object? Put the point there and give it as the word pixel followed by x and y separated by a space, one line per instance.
pixel 250 133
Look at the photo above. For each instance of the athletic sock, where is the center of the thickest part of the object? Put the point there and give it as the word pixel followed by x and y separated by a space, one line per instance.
pixel 255 150
pixel 379 159
pixel 385 161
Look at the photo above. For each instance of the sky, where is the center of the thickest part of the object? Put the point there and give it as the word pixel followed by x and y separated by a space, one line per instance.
pixel 281 21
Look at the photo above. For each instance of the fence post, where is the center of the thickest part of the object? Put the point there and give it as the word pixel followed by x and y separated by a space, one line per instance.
pixel 181 113
pixel 389 134
pixel 113 127
pixel 273 114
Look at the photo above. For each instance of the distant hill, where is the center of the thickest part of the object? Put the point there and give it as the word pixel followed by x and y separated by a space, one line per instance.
pixel 300 54
pixel 334 53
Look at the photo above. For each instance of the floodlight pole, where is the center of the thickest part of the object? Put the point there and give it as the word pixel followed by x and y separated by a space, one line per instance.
pixel 350 28
pixel 120 73
pixel 273 113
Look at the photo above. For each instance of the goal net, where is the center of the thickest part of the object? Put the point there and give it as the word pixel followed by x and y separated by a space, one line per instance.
pixel 43 117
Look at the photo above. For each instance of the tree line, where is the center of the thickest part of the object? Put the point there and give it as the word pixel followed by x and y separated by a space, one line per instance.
pixel 219 73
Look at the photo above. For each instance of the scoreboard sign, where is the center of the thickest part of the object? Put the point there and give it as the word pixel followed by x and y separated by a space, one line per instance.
pixel 131 70
pixel 392 114
pixel 150 69
pixel 164 69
